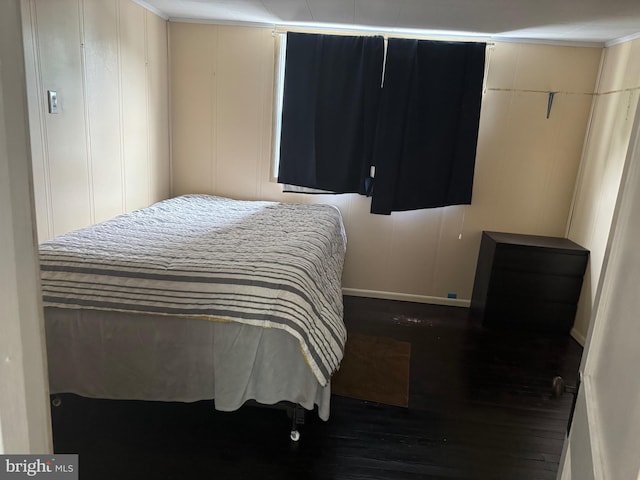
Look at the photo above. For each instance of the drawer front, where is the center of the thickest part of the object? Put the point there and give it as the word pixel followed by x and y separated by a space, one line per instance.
pixel 556 288
pixel 530 314
pixel 538 260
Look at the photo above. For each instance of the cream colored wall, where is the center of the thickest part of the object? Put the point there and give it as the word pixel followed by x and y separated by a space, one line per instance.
pixel 107 151
pixel 222 99
pixel 604 158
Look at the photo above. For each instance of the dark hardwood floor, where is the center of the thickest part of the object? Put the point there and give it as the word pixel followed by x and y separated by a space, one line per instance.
pixel 480 408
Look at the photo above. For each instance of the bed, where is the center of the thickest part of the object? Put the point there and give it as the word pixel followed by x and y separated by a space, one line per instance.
pixel 199 297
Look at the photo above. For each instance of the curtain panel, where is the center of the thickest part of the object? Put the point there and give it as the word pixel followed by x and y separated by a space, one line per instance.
pixel 330 111
pixel 429 115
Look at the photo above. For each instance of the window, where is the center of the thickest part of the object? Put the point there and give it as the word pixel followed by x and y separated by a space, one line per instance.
pixel 419 130
pixel 281 48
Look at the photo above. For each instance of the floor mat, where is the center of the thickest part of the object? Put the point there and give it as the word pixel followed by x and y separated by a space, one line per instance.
pixel 374 369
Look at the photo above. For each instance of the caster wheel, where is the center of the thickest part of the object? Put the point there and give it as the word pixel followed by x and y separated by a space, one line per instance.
pixel 56 402
pixel 558 387
pixel 295 435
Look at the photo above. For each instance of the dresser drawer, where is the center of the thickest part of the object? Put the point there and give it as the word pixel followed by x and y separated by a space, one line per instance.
pixel 513 283
pixel 539 260
pixel 530 314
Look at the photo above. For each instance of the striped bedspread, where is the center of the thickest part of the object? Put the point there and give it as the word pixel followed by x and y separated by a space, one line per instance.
pixel 269 264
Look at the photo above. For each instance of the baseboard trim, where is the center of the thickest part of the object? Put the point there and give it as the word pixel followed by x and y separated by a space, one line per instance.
pixel 406 297
pixel 578 337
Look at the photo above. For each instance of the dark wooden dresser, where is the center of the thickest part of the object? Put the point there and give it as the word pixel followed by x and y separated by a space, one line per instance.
pixel 528 282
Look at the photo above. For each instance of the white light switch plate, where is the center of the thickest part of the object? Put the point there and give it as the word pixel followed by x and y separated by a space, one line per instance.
pixel 53 101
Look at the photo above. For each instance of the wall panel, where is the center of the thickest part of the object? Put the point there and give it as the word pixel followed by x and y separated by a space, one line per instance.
pixel 193 92
pixel 240 64
pixel 604 159
pixel 368 246
pixel 158 108
pixel 107 151
pixel 101 24
pixel 134 100
pixel 61 69
pixel 39 153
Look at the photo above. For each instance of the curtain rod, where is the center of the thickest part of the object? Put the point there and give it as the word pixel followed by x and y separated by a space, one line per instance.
pixel 385 35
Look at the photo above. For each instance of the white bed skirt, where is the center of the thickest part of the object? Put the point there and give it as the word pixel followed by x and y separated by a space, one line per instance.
pixel 111 355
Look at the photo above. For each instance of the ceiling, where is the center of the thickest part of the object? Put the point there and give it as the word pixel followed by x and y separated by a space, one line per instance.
pixel 582 21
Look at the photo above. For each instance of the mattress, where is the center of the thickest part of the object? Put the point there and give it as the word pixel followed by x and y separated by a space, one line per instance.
pixel 267 264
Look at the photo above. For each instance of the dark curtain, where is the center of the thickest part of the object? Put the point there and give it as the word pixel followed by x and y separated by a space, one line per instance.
pixel 428 125
pixel 329 113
